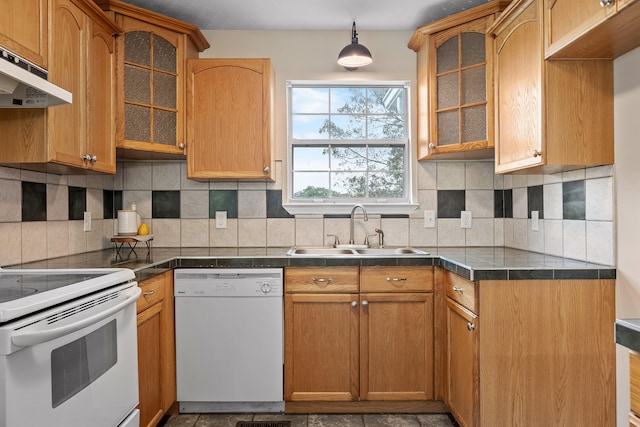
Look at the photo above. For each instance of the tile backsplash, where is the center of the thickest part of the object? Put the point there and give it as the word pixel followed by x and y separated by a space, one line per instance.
pixel 41 215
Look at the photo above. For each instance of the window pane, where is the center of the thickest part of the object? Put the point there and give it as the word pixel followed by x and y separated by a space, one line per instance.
pixel 385 127
pixel 386 158
pixel 312 185
pixel 348 127
pixel 137 47
pixel 348 100
pixel 449 127
pixel 386 184
pixel 309 100
pixel 348 184
pixel 349 158
pixel 311 158
pixel 473 48
pixel 164 54
pixel 448 91
pixel 305 126
pixel 473 85
pixel 474 123
pixel 137 84
pixel 447 55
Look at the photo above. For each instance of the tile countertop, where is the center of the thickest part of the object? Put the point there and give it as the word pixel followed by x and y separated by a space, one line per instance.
pixel 628 333
pixel 478 263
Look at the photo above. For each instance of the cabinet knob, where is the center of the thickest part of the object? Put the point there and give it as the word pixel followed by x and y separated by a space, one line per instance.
pixel 537 153
pixel 606 3
pixel 365 303
pixel 432 146
pixel 354 304
pixel 457 289
pixel 181 145
pixel 471 326
pixel 94 159
pixel 265 170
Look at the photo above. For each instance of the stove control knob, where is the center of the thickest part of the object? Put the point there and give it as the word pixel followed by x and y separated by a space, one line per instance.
pixel 265 287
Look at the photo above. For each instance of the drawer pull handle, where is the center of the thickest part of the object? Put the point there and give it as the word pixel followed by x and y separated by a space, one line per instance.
pixel 396 279
pixel 606 3
pixel 354 304
pixel 151 292
pixel 471 326
pixel 457 289
pixel 314 280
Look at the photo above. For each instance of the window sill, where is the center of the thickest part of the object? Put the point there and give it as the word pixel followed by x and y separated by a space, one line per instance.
pixel 345 208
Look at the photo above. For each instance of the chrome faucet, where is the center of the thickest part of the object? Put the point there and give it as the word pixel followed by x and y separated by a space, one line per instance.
pixel 351 241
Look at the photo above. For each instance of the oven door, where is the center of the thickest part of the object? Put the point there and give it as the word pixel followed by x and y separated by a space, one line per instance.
pixel 75 365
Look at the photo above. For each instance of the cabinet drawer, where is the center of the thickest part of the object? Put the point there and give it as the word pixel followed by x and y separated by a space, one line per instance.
pixel 460 290
pixel 153 291
pixel 321 279
pixel 396 279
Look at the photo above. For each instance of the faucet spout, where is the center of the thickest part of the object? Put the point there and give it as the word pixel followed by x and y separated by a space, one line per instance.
pixel 353 211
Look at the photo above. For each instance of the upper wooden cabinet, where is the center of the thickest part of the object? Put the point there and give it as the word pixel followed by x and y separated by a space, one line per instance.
pixel 455 85
pixel 151 57
pixel 23 29
pixel 80 135
pixel 591 28
pixel 550 115
pixel 230 113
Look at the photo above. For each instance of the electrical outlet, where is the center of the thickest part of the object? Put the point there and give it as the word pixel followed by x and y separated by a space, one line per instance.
pixel 221 219
pixel 535 224
pixel 87 221
pixel 465 219
pixel 429 219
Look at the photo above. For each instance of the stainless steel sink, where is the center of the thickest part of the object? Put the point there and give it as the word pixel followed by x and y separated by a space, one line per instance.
pixel 326 251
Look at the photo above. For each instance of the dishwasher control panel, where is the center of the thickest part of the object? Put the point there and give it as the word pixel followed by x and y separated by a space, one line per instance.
pixel 220 282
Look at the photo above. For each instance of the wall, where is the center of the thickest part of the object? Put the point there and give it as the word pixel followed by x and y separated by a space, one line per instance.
pixel 576 207
pixel 627 173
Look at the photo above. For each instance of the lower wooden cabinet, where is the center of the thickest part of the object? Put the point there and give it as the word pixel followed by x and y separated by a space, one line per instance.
pixel 530 352
pixel 634 387
pixel 156 348
pixel 363 347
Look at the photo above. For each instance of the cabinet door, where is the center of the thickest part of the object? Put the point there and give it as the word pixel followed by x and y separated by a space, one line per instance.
pixel 396 346
pixel 229 130
pixel 461 89
pixel 568 19
pixel 23 29
pixel 321 347
pixel 150 342
pixel 151 88
pixel 462 364
pixel 101 83
pixel 67 52
pixel 519 79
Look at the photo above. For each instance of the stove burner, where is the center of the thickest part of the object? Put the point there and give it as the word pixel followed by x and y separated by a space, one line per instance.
pixel 11 293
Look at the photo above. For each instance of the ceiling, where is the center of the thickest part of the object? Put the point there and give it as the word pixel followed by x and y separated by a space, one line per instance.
pixel 307 14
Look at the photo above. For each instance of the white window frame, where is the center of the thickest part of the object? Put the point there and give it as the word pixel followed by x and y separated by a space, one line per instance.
pixel 296 206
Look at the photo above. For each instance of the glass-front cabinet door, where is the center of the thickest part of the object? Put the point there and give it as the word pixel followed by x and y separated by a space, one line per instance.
pixel 152 89
pixel 461 90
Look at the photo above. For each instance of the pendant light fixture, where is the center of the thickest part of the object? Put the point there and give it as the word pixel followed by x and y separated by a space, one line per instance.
pixel 354 55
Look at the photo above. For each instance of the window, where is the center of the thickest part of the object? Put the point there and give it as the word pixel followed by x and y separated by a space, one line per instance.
pixel 348 143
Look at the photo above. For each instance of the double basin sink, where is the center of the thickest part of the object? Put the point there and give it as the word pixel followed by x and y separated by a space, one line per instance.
pixel 328 251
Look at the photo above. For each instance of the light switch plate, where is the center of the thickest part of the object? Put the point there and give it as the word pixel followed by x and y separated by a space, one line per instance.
pixel 87 221
pixel 221 219
pixel 429 219
pixel 535 223
pixel 465 219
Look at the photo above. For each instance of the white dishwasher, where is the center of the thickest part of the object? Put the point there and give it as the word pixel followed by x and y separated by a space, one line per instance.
pixel 229 339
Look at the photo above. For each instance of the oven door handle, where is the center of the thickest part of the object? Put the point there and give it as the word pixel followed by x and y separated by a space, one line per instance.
pixel 27 339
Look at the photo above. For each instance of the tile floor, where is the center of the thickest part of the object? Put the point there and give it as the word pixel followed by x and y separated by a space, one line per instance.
pixel 312 420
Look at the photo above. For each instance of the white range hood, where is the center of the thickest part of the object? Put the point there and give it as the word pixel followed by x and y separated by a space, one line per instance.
pixel 24 85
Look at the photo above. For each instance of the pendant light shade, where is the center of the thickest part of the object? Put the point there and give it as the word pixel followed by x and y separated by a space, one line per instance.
pixel 354 55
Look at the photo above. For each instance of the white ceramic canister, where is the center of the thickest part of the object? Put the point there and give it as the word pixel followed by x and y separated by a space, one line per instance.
pixel 128 222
